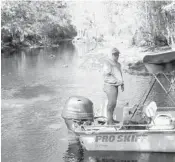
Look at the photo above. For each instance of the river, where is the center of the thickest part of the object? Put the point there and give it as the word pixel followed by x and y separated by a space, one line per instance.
pixel 35 85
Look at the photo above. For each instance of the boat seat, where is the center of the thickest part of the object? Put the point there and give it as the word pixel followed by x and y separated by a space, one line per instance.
pixel 158 121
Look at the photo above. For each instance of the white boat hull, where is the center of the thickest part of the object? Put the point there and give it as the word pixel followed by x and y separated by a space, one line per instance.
pixel 139 141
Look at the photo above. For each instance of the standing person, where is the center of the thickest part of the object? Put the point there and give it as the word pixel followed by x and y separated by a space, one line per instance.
pixel 112 80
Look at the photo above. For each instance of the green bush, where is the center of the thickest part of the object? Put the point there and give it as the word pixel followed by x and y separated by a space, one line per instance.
pixel 35 23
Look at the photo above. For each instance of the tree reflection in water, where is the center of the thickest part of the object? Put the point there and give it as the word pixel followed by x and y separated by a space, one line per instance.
pixel 75 153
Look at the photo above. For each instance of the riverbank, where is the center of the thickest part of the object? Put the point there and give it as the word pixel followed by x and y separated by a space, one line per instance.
pixel 10 49
pixel 131 57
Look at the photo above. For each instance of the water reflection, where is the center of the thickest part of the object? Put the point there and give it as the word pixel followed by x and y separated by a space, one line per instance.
pixel 36 58
pixel 75 153
pixel 82 49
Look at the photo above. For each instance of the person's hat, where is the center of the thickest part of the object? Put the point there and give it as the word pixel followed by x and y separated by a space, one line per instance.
pixel 115 50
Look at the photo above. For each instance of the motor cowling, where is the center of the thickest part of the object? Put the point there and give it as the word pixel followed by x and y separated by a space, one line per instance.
pixel 77 111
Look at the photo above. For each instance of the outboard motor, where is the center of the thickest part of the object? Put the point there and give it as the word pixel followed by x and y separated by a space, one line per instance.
pixel 78 111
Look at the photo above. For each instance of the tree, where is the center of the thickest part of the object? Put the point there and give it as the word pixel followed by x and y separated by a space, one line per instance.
pixel 35 22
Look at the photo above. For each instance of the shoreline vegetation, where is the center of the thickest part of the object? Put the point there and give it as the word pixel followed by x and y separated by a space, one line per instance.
pixel 36 24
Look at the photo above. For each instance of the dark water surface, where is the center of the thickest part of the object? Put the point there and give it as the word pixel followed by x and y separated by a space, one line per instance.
pixel 35 86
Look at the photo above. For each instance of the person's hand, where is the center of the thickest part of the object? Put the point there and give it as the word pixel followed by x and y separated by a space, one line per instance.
pixel 122 87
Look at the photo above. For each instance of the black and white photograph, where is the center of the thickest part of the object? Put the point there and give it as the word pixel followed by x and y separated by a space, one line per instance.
pixel 87 81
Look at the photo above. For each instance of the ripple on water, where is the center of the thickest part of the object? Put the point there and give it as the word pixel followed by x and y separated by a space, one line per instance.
pixel 56 126
pixel 28 92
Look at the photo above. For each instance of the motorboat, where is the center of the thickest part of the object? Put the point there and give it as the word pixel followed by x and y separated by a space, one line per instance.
pixel 157 134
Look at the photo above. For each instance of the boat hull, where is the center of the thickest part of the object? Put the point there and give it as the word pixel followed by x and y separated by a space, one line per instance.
pixel 139 141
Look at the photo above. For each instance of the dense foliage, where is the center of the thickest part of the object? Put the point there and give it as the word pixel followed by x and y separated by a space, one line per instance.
pixel 26 23
pixel 141 23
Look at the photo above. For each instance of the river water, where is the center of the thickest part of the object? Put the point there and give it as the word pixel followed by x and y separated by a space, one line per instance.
pixel 35 86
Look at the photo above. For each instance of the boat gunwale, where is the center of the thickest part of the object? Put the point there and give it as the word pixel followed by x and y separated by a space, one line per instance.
pixel 127 131
pixel 82 133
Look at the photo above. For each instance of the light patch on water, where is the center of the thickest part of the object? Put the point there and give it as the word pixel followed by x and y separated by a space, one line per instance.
pixel 12 105
pixel 56 126
pixel 63 139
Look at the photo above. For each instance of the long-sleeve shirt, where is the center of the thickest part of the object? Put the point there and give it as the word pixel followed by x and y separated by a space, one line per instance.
pixel 112 73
